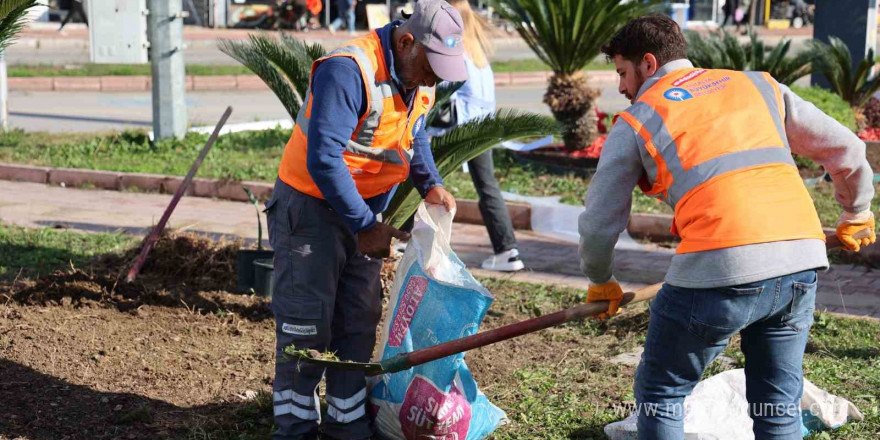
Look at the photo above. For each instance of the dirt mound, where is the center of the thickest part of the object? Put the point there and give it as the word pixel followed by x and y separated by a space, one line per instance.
pixel 182 270
pixel 190 259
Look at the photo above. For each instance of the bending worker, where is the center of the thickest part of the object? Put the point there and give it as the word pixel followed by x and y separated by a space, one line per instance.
pixel 716 146
pixel 359 133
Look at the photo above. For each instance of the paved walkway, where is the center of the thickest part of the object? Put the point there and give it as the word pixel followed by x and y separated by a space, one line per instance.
pixel 41 43
pixel 843 289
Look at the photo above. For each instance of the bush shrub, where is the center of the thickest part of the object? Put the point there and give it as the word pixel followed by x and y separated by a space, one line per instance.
pixel 831 104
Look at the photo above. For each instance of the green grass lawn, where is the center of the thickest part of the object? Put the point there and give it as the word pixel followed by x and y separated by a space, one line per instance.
pixel 536 65
pixel 34 70
pixel 236 156
pixel 31 252
pixel 255 156
pixel 556 384
pixel 560 384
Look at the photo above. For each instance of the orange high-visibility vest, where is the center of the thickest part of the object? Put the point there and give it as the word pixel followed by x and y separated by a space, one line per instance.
pixel 714 148
pixel 379 150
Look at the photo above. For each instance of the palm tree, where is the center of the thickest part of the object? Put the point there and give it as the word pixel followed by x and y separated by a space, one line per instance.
pixel 566 35
pixel 285 66
pixel 463 143
pixel 855 86
pixel 12 19
pixel 721 50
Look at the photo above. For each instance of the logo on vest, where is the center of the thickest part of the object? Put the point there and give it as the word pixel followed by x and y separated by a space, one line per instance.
pixel 418 125
pixel 677 94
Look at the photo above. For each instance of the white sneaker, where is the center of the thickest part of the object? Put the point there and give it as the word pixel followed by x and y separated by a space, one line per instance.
pixel 507 261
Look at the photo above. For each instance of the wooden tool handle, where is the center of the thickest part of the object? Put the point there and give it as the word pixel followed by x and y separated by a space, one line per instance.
pixel 153 236
pixel 520 328
pixel 532 325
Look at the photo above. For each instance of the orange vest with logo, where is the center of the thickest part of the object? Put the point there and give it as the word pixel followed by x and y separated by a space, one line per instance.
pixel 714 148
pixel 380 148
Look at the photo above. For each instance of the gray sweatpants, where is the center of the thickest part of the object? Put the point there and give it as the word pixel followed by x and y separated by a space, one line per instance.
pixel 326 296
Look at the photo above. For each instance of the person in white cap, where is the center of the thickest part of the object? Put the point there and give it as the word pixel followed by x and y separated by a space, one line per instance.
pixel 359 134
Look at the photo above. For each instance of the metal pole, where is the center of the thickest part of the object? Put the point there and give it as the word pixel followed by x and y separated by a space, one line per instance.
pixel 169 77
pixel 4 93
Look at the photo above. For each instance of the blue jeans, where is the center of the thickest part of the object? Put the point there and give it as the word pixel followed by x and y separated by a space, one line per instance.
pixel 690 327
pixel 346 11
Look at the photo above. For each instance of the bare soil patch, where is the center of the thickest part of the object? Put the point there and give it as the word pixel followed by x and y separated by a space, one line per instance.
pixel 84 355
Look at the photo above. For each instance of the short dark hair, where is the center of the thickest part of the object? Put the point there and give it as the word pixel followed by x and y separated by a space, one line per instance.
pixel 653 33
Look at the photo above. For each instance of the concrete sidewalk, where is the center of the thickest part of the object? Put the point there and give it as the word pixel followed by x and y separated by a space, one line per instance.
pixel 843 289
pixel 41 43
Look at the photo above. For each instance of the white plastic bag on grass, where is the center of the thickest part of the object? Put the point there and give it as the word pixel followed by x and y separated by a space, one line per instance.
pixel 717 409
pixel 434 299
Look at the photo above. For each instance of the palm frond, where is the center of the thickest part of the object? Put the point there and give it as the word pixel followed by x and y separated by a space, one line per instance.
pixel 775 60
pixel 9 6
pixel 306 54
pixel 702 52
pixel 739 59
pixel 868 82
pixel 284 66
pixel 12 19
pixel 722 50
pixel 568 34
pixel 248 53
pixel 789 70
pixel 840 53
pixel 464 143
pixel 834 61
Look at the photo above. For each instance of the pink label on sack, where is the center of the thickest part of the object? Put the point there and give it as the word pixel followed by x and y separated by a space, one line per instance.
pixel 428 413
pixel 406 309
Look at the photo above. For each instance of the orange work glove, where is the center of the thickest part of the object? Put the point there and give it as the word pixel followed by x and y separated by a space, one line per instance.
pixel 856 230
pixel 609 291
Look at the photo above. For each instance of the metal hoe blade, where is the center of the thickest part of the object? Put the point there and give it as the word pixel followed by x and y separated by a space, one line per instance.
pixel 371 368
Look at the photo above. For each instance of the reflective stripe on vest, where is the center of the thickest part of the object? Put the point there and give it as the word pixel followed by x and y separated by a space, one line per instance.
pixel 378 151
pixel 683 181
pixel 698 127
pixel 363 137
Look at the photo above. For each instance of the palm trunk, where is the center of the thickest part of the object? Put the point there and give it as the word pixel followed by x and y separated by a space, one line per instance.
pixel 571 101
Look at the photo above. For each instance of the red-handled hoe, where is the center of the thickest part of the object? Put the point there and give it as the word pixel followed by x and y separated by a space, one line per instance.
pixel 405 361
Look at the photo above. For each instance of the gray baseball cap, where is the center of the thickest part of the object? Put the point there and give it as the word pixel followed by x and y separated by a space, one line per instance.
pixel 438 26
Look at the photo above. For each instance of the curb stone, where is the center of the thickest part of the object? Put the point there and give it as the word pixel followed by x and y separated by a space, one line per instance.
pixel 139 83
pixel 468 210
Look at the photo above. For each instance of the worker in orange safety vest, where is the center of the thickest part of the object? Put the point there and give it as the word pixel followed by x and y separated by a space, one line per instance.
pixel 359 134
pixel 716 146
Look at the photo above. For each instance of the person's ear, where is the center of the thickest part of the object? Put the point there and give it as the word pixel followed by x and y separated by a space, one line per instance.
pixel 405 42
pixel 649 65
